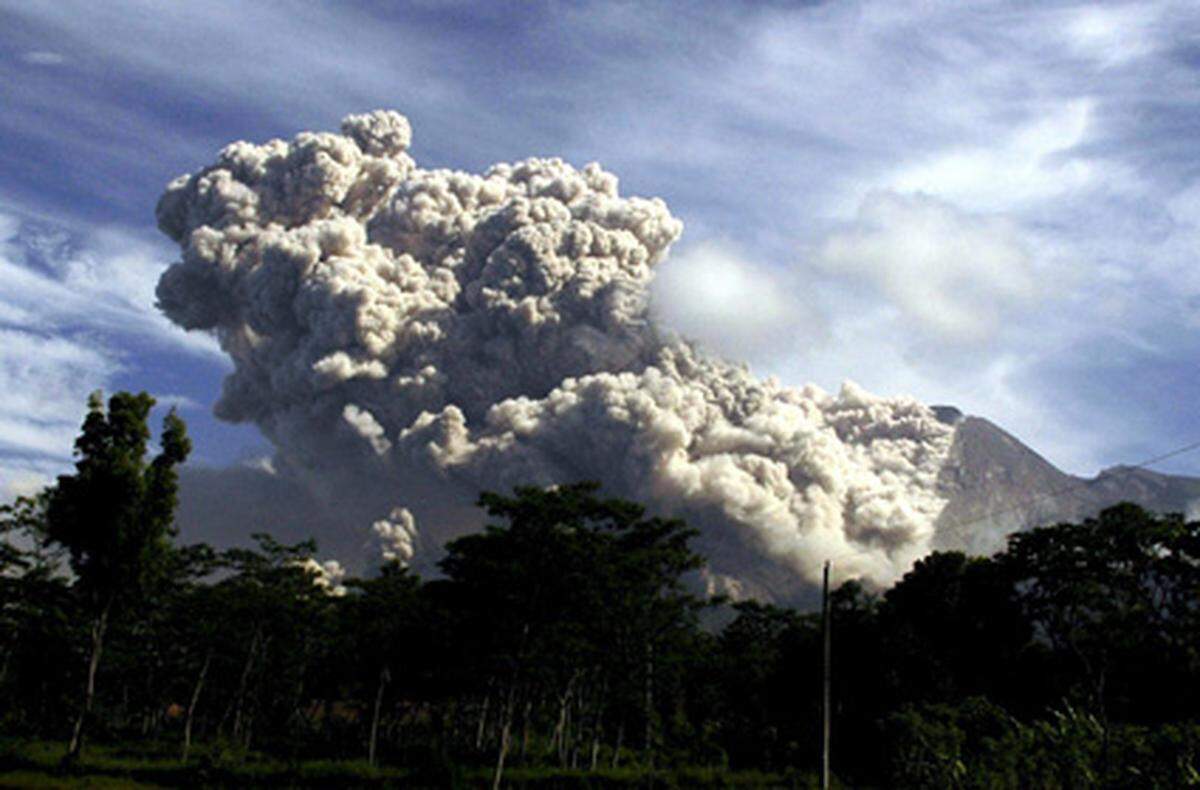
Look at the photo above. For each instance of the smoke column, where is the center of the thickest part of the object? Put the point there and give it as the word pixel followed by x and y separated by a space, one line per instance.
pixel 406 337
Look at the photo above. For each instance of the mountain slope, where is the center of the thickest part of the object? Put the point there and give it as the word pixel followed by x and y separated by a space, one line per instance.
pixel 996 485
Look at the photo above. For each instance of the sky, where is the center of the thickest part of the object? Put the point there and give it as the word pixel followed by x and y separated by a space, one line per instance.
pixel 991 205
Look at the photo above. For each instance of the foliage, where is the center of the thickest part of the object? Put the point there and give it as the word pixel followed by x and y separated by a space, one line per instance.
pixel 976 744
pixel 115 514
pixel 1114 600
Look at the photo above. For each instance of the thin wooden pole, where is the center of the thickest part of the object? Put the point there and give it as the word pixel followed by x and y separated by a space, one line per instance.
pixel 827 686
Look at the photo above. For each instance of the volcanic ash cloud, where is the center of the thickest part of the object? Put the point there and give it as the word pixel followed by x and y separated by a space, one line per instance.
pixel 391 324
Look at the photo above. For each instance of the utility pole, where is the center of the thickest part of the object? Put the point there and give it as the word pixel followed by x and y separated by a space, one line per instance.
pixel 826 691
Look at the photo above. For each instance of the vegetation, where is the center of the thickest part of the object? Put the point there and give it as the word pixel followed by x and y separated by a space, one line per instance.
pixel 563 646
pixel 114 516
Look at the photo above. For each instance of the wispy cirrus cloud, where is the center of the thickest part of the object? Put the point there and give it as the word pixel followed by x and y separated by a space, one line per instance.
pixel 75 305
pixel 98 280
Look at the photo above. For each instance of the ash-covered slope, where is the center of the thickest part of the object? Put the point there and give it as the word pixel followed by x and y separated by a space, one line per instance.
pixel 995 485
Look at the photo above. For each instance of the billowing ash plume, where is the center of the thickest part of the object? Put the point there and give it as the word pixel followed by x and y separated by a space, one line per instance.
pixel 406 337
pixel 327 576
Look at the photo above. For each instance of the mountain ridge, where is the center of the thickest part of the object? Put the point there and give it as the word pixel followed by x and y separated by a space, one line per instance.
pixel 995 485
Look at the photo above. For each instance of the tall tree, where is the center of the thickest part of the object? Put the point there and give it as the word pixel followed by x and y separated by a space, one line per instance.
pixel 115 514
pixel 571 603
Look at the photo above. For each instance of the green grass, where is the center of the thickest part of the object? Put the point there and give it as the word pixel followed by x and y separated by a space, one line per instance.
pixel 32 763
pixel 38 764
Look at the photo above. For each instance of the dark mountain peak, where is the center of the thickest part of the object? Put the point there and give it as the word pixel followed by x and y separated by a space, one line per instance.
pixel 951 415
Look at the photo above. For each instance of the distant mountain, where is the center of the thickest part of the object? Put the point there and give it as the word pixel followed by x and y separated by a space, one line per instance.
pixel 996 485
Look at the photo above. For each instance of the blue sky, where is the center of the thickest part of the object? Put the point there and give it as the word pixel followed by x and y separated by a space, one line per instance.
pixel 995 205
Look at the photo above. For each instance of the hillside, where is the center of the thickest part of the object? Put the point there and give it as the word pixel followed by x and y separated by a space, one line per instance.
pixel 997 485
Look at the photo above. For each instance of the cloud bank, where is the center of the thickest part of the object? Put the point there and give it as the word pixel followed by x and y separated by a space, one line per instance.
pixel 952 275
pixel 406 337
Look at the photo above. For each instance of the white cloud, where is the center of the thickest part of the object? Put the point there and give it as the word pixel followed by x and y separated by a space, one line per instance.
pixel 44 384
pixel 70 308
pixel 950 273
pixel 174 401
pixel 9 226
pixel 1115 34
pixel 25 476
pixel 1036 162
pixel 43 58
pixel 103 283
pixel 743 310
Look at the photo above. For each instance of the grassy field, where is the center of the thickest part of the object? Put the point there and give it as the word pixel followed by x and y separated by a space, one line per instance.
pixel 35 764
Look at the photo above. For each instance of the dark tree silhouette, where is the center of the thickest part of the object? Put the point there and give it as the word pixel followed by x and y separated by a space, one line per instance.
pixel 114 515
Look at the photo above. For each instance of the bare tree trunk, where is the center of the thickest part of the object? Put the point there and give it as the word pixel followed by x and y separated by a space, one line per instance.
pixel 508 707
pixel 239 700
pixel 384 677
pixel 598 723
pixel 560 728
pixel 648 703
pixel 1104 729
pixel 506 715
pixel 483 719
pixel 575 736
pixel 525 716
pixel 99 626
pixel 191 711
pixel 149 712
pixel 617 748
pixel 558 740
pixel 597 718
pixel 564 744
pixel 297 715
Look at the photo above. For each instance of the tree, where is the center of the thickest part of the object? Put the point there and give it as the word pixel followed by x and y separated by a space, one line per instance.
pixel 36 615
pixel 571 608
pixel 21 522
pixel 381 617
pixel 953 630
pixel 179 619
pixel 274 609
pixel 115 514
pixel 1115 598
pixel 769 704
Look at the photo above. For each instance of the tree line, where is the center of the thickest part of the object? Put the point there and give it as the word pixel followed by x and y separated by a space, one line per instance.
pixel 569 634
